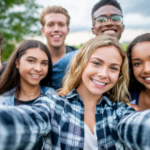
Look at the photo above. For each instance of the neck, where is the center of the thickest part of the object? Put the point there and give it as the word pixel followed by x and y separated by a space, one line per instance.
pixel 88 98
pixel 28 92
pixel 56 52
pixel 147 91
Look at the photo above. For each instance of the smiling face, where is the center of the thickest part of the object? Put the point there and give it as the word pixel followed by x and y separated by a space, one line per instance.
pixel 32 66
pixel 102 71
pixel 141 63
pixel 109 28
pixel 55 29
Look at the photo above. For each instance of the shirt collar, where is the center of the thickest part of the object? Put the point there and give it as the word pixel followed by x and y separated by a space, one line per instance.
pixel 104 99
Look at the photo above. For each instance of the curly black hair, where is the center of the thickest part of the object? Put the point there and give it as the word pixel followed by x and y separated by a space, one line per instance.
pixel 134 84
pixel 106 2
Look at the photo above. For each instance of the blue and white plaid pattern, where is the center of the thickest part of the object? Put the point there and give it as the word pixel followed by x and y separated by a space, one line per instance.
pixel 61 121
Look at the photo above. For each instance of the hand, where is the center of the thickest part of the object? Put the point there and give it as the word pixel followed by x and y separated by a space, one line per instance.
pixel 136 107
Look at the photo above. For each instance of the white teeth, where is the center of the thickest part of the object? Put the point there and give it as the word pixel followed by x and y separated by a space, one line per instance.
pixel 56 36
pixel 147 78
pixel 35 75
pixel 109 31
pixel 99 83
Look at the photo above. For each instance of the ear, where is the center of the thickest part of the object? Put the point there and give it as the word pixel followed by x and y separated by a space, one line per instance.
pixel 17 63
pixel 93 30
pixel 123 26
pixel 68 30
pixel 42 30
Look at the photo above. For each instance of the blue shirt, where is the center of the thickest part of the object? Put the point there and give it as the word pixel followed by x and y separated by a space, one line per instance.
pixel 59 70
pixel 61 121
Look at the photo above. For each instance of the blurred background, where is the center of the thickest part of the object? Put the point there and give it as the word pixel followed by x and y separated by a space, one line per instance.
pixel 19 20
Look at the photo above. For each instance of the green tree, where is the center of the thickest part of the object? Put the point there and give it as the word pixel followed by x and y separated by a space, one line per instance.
pixel 18 18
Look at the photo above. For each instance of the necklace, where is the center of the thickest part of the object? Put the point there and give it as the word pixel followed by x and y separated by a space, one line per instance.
pixel 89 111
pixel 38 90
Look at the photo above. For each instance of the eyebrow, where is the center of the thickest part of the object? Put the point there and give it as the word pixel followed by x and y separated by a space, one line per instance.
pixel 115 64
pixel 35 58
pixel 106 16
pixel 135 59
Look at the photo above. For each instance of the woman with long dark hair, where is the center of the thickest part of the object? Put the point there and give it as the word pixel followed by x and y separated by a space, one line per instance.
pixel 138 53
pixel 25 76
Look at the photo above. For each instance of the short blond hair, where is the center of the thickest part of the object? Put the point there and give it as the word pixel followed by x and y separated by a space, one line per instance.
pixel 54 9
pixel 73 77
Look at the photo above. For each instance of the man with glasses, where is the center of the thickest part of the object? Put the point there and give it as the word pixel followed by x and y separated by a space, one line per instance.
pixel 107 19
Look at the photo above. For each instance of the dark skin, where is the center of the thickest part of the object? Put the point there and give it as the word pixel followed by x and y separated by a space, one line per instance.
pixel 108 11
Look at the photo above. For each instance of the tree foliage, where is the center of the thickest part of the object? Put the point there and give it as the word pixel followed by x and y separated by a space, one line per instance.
pixel 18 18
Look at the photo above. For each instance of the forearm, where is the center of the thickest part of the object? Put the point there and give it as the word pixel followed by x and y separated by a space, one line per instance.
pixel 21 126
pixel 134 130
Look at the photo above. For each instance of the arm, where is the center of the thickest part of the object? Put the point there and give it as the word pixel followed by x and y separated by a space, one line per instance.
pixel 21 126
pixel 60 68
pixel 134 130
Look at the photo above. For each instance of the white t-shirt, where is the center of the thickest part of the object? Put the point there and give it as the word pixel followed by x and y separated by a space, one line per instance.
pixel 90 140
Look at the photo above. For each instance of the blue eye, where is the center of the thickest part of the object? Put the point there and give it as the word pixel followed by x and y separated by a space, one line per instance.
pixel 96 63
pixel 113 68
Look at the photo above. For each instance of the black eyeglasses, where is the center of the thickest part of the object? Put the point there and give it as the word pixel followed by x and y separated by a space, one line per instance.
pixel 115 19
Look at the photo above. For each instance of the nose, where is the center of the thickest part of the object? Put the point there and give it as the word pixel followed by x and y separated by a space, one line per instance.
pixel 147 68
pixel 109 22
pixel 56 27
pixel 102 72
pixel 37 67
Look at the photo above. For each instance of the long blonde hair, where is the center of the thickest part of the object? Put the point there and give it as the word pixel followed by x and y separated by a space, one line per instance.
pixel 73 77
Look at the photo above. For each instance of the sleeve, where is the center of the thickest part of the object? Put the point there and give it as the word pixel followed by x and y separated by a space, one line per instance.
pixel 134 129
pixel 60 68
pixel 21 126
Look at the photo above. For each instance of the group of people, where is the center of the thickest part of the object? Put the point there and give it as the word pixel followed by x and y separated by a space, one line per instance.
pixel 94 98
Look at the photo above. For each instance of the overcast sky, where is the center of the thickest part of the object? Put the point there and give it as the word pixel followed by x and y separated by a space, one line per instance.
pixel 136 13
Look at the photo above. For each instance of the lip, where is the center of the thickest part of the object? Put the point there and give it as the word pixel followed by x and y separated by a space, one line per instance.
pixel 35 76
pixel 97 85
pixel 147 81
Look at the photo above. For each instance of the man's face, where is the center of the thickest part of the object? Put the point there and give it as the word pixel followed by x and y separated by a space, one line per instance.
pixel 109 28
pixel 55 29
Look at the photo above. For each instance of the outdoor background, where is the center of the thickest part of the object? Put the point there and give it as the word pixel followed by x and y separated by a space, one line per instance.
pixel 19 21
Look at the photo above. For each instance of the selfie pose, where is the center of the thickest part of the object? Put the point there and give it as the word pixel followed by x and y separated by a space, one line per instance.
pixel 89 111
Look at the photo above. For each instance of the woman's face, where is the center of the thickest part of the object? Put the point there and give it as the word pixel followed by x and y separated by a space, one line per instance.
pixel 102 70
pixel 141 63
pixel 32 66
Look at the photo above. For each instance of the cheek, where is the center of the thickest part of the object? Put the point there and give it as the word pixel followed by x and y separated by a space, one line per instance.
pixel 136 71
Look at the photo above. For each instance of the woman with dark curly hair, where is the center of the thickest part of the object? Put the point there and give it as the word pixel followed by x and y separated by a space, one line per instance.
pixel 138 53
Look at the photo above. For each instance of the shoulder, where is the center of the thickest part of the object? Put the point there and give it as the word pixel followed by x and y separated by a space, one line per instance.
pixel 70 49
pixel 134 97
pixel 48 90
pixel 7 98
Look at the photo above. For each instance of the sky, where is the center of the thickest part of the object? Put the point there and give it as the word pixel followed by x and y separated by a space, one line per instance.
pixel 136 16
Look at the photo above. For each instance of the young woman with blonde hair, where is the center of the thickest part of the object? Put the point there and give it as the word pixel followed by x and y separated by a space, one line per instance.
pixel 89 111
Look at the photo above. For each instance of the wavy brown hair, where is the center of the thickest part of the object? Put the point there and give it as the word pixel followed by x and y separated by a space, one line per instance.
pixel 134 84
pixel 73 77
pixel 11 78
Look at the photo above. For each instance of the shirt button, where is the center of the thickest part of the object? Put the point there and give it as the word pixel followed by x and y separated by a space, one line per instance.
pixel 99 126
pixel 103 147
pixel 98 111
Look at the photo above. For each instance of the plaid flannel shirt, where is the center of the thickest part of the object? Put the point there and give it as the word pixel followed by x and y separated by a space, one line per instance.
pixel 61 121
